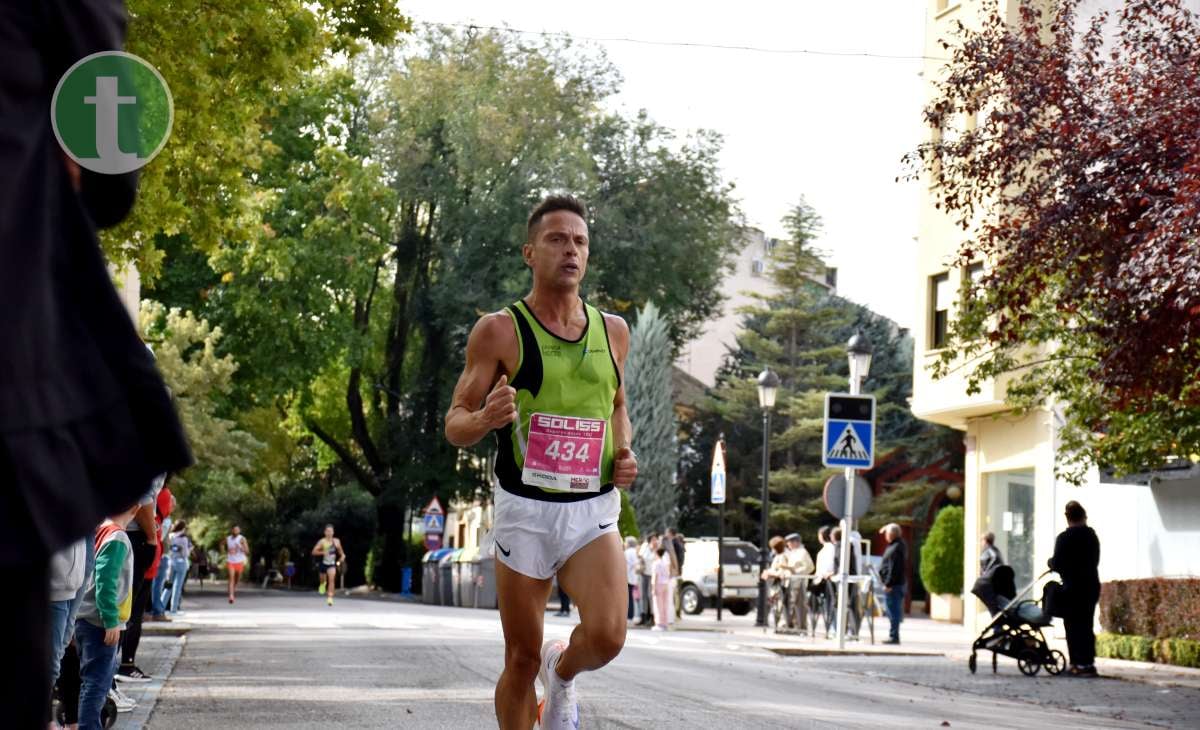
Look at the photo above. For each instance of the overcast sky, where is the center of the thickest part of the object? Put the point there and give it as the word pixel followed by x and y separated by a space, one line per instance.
pixel 831 129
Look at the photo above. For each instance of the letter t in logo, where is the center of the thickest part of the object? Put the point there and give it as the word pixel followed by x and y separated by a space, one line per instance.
pixel 107 102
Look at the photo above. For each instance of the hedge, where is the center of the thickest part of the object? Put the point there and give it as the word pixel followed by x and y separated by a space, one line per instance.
pixel 1179 652
pixel 1158 608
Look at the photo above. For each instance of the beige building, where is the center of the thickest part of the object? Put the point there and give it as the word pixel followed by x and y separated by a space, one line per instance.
pixel 1148 526
pixel 702 357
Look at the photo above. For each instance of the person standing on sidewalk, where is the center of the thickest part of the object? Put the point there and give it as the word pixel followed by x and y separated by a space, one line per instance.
pixel 989 554
pixel 647 554
pixel 893 571
pixel 1076 559
pixel 662 588
pixel 142 533
pixel 237 555
pixel 565 447
pixel 85 420
pixel 164 505
pixel 180 553
pixel 631 573
pixel 106 606
pixel 69 569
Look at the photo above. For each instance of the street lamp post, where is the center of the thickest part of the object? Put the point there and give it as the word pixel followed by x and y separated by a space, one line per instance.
pixel 858 350
pixel 768 385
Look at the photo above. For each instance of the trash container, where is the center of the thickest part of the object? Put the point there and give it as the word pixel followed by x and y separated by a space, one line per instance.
pixel 446 577
pixel 464 579
pixel 429 576
pixel 485 582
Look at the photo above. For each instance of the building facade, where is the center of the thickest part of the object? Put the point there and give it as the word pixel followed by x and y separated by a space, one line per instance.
pixel 1148 525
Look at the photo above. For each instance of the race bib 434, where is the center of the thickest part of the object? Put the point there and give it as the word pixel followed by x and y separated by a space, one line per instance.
pixel 564 452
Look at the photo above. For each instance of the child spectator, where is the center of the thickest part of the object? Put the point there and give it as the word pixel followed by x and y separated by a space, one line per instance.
pixel 662 590
pixel 102 614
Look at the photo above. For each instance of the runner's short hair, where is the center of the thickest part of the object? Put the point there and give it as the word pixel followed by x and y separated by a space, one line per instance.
pixel 551 204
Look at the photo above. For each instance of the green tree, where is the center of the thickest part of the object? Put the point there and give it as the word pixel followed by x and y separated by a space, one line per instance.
pixel 228 64
pixel 800 331
pixel 397 189
pixel 655 496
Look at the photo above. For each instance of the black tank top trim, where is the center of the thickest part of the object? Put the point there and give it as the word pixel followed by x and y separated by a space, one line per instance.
pixel 529 377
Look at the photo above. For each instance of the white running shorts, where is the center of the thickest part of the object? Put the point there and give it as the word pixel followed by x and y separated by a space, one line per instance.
pixel 535 538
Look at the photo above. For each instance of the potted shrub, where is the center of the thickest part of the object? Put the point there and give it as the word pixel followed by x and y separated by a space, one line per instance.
pixel 942 565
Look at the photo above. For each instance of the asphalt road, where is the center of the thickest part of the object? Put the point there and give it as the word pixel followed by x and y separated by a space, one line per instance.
pixel 287 660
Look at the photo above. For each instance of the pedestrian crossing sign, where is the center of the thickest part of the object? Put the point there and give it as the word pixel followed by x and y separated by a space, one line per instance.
pixel 849 437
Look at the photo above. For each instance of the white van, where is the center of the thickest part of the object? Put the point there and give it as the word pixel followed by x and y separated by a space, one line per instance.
pixel 698 583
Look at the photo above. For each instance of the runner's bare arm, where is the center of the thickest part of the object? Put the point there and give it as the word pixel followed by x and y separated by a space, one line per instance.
pixel 491 354
pixel 624 460
pixel 317 548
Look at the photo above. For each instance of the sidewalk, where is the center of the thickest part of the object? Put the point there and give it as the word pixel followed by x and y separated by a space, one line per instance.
pixel 157 654
pixel 922 636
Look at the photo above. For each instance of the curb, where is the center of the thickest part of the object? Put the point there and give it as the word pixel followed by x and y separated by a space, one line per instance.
pixel 147 694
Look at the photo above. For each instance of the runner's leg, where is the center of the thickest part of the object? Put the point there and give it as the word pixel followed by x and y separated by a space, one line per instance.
pixel 522 610
pixel 595 578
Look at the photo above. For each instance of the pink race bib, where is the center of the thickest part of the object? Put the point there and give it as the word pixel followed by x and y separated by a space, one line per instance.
pixel 563 452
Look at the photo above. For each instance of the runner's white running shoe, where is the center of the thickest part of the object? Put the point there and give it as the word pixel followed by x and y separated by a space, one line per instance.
pixel 560 709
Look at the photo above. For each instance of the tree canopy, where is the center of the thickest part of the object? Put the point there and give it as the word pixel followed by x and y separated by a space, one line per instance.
pixel 1079 186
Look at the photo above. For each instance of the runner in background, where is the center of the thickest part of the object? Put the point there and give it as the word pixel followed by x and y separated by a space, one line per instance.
pixel 237 555
pixel 329 549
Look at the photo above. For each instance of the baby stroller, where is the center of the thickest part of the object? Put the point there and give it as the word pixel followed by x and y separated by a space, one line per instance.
pixel 1016 626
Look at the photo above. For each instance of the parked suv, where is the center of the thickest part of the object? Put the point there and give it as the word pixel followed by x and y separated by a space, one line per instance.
pixel 698 583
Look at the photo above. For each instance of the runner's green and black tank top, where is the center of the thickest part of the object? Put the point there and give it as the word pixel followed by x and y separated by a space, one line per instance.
pixel 573 378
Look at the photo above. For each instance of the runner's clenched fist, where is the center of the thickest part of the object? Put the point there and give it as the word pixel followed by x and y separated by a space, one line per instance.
pixel 500 408
pixel 625 467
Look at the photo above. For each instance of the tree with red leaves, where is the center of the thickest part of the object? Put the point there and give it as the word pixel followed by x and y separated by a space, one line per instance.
pixel 1079 187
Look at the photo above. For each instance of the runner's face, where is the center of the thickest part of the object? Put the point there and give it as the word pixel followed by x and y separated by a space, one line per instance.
pixel 328 532
pixel 558 254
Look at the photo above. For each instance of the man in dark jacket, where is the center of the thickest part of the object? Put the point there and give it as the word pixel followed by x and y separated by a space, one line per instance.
pixel 86 422
pixel 1076 560
pixel 893 571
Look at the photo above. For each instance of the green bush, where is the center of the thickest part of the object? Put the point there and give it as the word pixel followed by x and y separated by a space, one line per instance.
pixel 942 554
pixel 1178 652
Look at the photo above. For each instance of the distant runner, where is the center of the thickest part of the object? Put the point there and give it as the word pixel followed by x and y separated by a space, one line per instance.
pixel 546 375
pixel 237 552
pixel 329 549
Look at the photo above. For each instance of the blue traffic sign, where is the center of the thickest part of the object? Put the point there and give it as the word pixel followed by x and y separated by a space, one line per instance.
pixel 435 524
pixel 849 438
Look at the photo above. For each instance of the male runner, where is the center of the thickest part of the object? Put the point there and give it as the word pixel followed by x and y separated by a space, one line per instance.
pixel 548 373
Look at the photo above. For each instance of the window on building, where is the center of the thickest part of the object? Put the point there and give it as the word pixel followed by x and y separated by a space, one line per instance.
pixel 1008 513
pixel 758 267
pixel 939 305
pixel 972 275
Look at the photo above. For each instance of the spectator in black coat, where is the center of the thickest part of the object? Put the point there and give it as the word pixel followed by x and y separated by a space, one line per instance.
pixel 1076 560
pixel 893 571
pixel 85 420
pixel 989 554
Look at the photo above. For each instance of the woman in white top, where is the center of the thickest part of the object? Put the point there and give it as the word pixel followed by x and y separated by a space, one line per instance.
pixel 662 590
pixel 237 555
